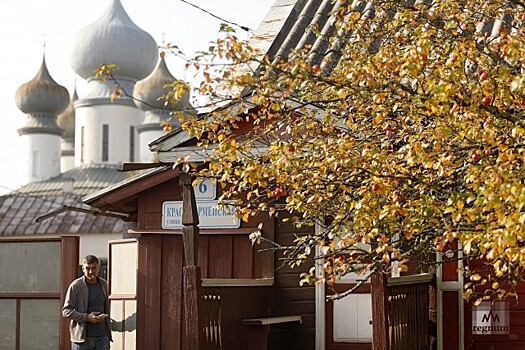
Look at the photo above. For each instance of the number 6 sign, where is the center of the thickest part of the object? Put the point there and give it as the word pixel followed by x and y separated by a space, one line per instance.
pixel 205 189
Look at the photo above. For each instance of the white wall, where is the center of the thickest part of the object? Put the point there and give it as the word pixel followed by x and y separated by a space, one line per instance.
pixel 119 118
pixel 40 155
pixel 67 163
pixel 145 138
pixel 96 244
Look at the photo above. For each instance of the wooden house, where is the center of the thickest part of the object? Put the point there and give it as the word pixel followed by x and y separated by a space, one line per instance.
pixel 251 300
pixel 243 290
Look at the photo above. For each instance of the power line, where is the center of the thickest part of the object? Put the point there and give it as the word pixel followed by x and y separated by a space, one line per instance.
pixel 219 18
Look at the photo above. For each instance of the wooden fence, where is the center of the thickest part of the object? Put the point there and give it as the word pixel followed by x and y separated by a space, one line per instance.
pixel 409 314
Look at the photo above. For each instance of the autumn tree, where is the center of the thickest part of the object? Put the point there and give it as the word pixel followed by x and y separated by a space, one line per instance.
pixel 407 135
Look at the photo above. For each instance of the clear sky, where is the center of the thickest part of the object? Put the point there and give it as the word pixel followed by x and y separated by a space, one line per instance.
pixel 26 24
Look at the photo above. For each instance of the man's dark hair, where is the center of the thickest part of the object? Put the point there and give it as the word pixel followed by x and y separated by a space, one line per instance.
pixel 90 259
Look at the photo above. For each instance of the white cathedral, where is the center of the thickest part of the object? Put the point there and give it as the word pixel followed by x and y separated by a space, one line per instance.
pixel 73 146
pixel 94 129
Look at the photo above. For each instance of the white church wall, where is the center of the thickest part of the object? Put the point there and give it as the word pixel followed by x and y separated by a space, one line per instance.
pixel 67 163
pixel 89 123
pixel 42 157
pixel 67 160
pixel 145 138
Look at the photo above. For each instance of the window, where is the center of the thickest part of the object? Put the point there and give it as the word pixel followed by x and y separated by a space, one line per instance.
pixel 131 143
pixel 82 144
pixel 36 163
pixel 105 142
pixel 29 287
pixel 123 293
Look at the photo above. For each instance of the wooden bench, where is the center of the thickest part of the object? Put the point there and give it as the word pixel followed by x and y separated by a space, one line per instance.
pixel 258 329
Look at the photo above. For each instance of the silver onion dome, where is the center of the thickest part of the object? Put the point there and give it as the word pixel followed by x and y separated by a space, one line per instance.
pixel 42 94
pixel 66 120
pixel 114 39
pixel 148 92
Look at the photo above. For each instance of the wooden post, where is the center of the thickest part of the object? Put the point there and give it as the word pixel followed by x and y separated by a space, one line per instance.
pixel 193 338
pixel 69 259
pixel 380 330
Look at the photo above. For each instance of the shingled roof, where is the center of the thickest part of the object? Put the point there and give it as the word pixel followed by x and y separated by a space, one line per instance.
pixel 290 25
pixel 20 209
pixel 81 180
pixel 298 24
pixel 18 214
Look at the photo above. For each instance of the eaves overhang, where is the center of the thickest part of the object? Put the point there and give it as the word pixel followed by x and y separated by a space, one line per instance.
pixel 111 197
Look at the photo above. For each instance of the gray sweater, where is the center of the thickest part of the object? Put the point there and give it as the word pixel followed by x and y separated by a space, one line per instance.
pixel 75 308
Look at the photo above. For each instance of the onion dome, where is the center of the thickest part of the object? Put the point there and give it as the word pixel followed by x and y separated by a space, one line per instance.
pixel 114 39
pixel 66 120
pixel 42 94
pixel 147 92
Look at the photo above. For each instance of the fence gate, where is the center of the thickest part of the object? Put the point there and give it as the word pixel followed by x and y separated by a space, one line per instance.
pixel 411 312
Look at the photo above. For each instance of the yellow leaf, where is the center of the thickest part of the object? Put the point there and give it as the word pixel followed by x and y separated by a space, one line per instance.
pixel 475 278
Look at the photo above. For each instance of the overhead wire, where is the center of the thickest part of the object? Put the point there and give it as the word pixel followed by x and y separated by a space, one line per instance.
pixel 245 28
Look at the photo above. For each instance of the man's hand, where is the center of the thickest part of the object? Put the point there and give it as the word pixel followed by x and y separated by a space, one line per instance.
pixel 95 317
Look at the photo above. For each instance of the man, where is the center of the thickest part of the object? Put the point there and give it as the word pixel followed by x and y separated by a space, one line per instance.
pixel 87 305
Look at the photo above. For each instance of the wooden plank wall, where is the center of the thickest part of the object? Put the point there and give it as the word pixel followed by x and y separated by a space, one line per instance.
pixel 222 255
pixel 150 204
pixel 149 294
pixel 159 298
pixel 228 256
pixel 171 294
pixel 69 258
pixel 291 299
pixel 238 303
pixel 226 253
pixel 159 301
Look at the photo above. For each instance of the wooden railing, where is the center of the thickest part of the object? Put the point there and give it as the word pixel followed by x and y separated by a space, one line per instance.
pixel 408 299
pixel 212 318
